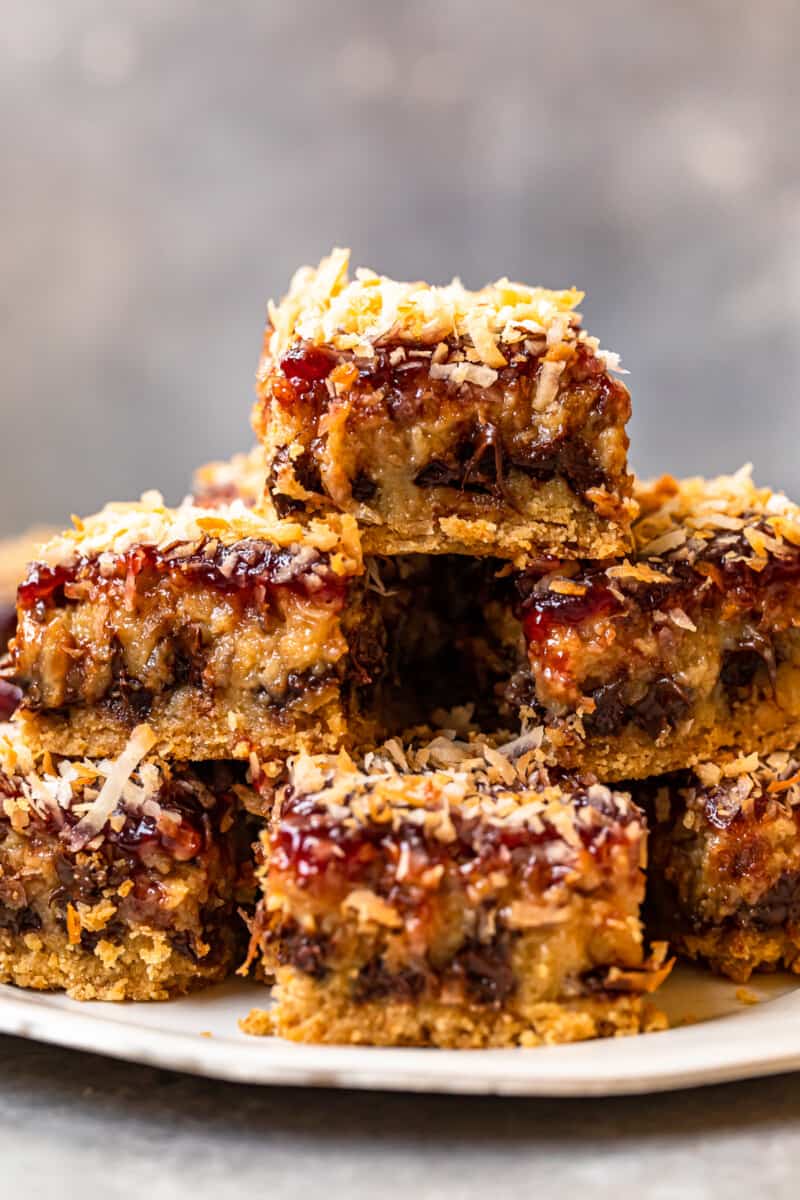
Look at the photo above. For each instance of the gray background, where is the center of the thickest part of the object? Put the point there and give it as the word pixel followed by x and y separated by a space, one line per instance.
pixel 167 163
pixel 164 166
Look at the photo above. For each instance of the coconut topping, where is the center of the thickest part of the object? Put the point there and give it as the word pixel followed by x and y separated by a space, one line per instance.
pixel 91 790
pixel 505 785
pixel 141 741
pixel 697 523
pixel 121 527
pixel 680 518
pixel 325 307
pixel 761 787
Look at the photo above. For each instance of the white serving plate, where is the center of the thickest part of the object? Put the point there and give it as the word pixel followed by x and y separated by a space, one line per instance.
pixel 716 1037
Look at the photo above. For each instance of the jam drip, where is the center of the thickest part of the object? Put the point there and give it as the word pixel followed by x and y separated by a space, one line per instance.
pixel 549 610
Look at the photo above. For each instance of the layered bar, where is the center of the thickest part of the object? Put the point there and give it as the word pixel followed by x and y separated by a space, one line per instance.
pixel 444 420
pixel 470 904
pixel 225 631
pixel 724 872
pixel 641 666
pixel 119 879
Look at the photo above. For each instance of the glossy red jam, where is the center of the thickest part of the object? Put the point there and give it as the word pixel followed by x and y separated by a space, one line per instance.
pixel 240 568
pixel 551 610
pixel 315 849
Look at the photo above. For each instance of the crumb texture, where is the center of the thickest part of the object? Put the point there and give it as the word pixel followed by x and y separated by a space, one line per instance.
pixel 311 1012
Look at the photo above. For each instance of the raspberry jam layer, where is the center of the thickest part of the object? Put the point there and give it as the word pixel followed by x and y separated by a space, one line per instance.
pixel 244 568
pixel 320 852
pixel 177 822
pixel 721 574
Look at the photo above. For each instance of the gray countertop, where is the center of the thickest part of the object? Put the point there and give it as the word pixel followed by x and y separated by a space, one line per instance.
pixel 73 1124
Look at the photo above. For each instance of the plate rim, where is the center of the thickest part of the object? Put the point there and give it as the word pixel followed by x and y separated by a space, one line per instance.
pixel 758 1041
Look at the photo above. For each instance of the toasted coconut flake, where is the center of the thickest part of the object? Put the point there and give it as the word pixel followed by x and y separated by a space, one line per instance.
pixel 612 361
pixel 484 340
pixel 763 544
pixel 715 520
pixel 638 572
pixel 325 307
pixel 679 618
pixel 547 388
pixel 464 372
pixel 663 544
pixel 783 785
pixel 501 764
pixel 530 740
pixel 526 914
pixel 369 907
pixel 740 766
pixel 567 587
pixel 139 744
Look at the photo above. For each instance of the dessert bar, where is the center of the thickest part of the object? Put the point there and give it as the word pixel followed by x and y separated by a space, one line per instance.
pixel 453 896
pixel 445 420
pixel 724 873
pixel 118 879
pixel 224 630
pixel 649 664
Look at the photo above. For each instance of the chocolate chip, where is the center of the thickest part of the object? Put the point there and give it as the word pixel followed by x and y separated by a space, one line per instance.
pixel 610 710
pixel 781 904
pixel 376 982
pixel 19 920
pixel 305 471
pixel 663 707
pixel 363 488
pixel 740 666
pixel 183 942
pixel 439 474
pixel 10 699
pixel 302 951
pixel 486 970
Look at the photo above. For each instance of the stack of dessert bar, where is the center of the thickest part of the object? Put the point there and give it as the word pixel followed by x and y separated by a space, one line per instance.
pixel 389 710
